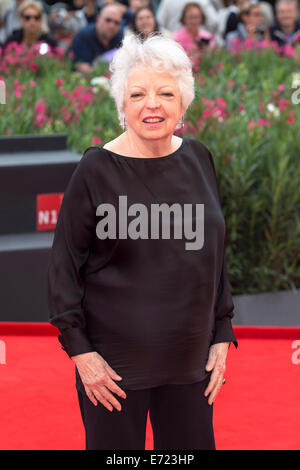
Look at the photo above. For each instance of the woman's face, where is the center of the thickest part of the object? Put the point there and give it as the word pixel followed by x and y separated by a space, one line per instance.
pixel 152 103
pixel 193 18
pixel 254 18
pixel 31 20
pixel 145 22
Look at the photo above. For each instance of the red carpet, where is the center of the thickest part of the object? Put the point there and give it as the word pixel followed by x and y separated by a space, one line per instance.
pixel 258 408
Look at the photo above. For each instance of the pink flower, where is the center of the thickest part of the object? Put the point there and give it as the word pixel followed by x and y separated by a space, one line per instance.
pixel 40 107
pixel 283 104
pixel 59 81
pixel 67 115
pixel 40 119
pixel 263 122
pixel 248 44
pixel 78 91
pixel 207 102
pixel 231 83
pixel 288 50
pixel 281 87
pixel 96 140
pixel 291 119
pixel 260 122
pixel 221 103
pixel 261 107
pixel 17 93
pixel 264 44
pixel 251 124
pixel 59 52
pixel 200 79
pixel 33 66
pixel 18 88
pixel 241 107
pixel 87 98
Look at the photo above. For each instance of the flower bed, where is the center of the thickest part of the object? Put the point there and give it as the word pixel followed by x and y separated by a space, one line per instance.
pixel 246 111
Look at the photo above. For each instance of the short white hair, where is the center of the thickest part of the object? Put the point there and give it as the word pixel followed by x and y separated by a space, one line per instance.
pixel 162 54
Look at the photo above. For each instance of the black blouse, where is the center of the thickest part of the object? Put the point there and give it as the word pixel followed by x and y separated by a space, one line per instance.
pixel 149 293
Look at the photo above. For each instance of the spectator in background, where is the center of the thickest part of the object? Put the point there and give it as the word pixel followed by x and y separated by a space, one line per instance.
pixel 5 5
pixel 12 19
pixel 66 19
pixel 192 36
pixel 96 39
pixel 169 13
pixel 144 23
pixel 250 26
pixel 233 20
pixel 32 30
pixel 268 13
pixel 234 8
pixel 228 17
pixel 286 30
pixel 129 12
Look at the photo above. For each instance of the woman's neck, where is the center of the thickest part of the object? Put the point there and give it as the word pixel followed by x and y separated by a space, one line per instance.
pixel 30 38
pixel 193 32
pixel 150 147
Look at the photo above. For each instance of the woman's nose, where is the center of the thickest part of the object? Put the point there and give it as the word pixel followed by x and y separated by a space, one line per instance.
pixel 152 100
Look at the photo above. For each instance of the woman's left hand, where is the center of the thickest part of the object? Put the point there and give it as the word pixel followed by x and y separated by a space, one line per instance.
pixel 216 364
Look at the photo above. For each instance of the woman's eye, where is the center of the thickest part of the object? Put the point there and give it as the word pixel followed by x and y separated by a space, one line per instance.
pixel 136 95
pixel 167 94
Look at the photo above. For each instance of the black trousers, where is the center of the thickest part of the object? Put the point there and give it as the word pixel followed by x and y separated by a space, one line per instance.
pixel 180 415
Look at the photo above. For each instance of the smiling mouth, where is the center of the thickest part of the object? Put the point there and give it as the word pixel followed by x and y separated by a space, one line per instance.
pixel 153 120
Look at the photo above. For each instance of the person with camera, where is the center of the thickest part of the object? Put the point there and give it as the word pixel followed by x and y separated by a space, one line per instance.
pixel 250 27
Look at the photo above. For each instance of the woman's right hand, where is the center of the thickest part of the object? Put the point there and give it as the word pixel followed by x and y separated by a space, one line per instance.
pixel 98 379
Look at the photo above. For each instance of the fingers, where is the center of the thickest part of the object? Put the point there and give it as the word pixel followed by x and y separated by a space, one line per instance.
pixel 98 379
pixel 215 382
pixel 112 372
pixel 101 392
pixel 90 395
pixel 211 360
pixel 107 399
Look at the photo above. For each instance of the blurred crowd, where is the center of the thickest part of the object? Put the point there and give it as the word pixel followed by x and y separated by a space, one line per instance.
pixel 92 30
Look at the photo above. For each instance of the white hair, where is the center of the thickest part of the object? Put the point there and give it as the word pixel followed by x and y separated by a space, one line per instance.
pixel 162 54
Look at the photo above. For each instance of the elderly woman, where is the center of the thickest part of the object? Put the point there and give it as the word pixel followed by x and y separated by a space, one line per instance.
pixel 137 275
pixel 33 29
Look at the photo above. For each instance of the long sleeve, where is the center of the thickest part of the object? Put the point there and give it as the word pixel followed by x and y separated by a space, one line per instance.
pixel 224 310
pixel 70 250
pixel 224 307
